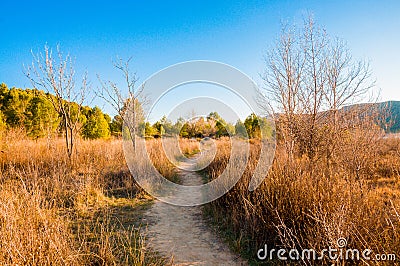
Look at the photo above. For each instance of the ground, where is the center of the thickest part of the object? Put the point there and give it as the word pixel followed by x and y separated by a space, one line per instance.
pixel 182 232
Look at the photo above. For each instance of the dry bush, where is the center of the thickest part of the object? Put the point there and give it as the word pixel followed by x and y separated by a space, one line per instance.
pixel 189 147
pixel 166 153
pixel 32 233
pixel 388 164
pixel 159 159
pixel 299 207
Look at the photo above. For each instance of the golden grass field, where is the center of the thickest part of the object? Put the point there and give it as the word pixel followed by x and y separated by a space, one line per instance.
pixel 296 209
pixel 84 212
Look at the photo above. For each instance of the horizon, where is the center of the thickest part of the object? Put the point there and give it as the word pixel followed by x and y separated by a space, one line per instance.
pixel 225 112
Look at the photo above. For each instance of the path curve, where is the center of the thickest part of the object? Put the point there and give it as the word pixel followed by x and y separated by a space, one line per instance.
pixel 182 233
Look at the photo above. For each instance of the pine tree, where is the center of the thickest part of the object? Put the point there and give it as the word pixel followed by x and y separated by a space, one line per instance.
pixel 40 117
pixel 96 126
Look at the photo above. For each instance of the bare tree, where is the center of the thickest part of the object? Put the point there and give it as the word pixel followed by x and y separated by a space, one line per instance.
pixel 283 79
pixel 310 78
pixel 56 75
pixel 126 100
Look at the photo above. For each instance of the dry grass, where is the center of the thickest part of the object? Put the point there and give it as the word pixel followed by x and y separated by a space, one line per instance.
pixel 84 212
pixel 299 207
pixel 57 212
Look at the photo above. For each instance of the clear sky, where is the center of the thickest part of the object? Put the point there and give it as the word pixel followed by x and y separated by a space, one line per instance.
pixel 160 33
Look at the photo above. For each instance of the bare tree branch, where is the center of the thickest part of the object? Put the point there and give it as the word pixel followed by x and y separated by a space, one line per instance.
pixel 126 100
pixel 57 77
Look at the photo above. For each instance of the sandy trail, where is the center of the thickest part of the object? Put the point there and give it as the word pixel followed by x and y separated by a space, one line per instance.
pixel 182 233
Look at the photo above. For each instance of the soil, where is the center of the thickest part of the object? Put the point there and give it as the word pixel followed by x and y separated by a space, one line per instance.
pixel 182 233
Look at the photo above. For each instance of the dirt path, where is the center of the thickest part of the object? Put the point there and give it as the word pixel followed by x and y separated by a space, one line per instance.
pixel 182 233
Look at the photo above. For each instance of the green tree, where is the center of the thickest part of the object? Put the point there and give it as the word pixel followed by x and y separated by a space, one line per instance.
pixel 15 103
pixel 116 125
pixel 230 129
pixel 3 93
pixel 198 127
pixel 167 126
pixel 252 124
pixel 217 124
pixel 41 118
pixel 159 127
pixel 178 126
pixel 184 131
pixel 108 118
pixel 267 128
pixel 215 116
pixel 221 129
pixel 240 129
pixel 96 126
pixel 149 131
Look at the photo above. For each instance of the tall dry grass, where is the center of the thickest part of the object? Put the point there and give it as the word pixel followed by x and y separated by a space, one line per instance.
pixel 81 212
pixel 299 207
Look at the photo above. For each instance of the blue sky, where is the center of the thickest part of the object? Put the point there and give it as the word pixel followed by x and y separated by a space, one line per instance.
pixel 160 33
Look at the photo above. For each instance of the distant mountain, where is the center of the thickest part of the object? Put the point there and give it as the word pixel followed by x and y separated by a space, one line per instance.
pixel 394 110
pixel 392 107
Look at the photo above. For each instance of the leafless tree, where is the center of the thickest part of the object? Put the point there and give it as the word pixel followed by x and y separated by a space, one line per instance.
pixel 126 100
pixel 283 83
pixel 56 75
pixel 310 78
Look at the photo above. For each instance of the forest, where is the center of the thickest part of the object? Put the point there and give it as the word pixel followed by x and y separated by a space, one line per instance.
pixel 32 110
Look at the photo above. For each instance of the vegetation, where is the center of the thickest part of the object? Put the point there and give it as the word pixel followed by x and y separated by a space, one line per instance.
pixel 394 115
pixel 85 212
pixel 212 126
pixel 334 174
pixel 299 207
pixel 32 111
pixel 126 100
pixel 97 125
pixel 56 75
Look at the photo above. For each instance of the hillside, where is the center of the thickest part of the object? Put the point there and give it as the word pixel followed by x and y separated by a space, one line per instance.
pixel 394 108
pixel 390 108
pixel 32 110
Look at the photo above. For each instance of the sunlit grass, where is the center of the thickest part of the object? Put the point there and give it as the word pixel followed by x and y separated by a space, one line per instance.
pixel 60 212
pixel 294 209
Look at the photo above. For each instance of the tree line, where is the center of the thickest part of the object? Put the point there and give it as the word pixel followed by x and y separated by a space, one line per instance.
pixel 213 125
pixel 32 110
